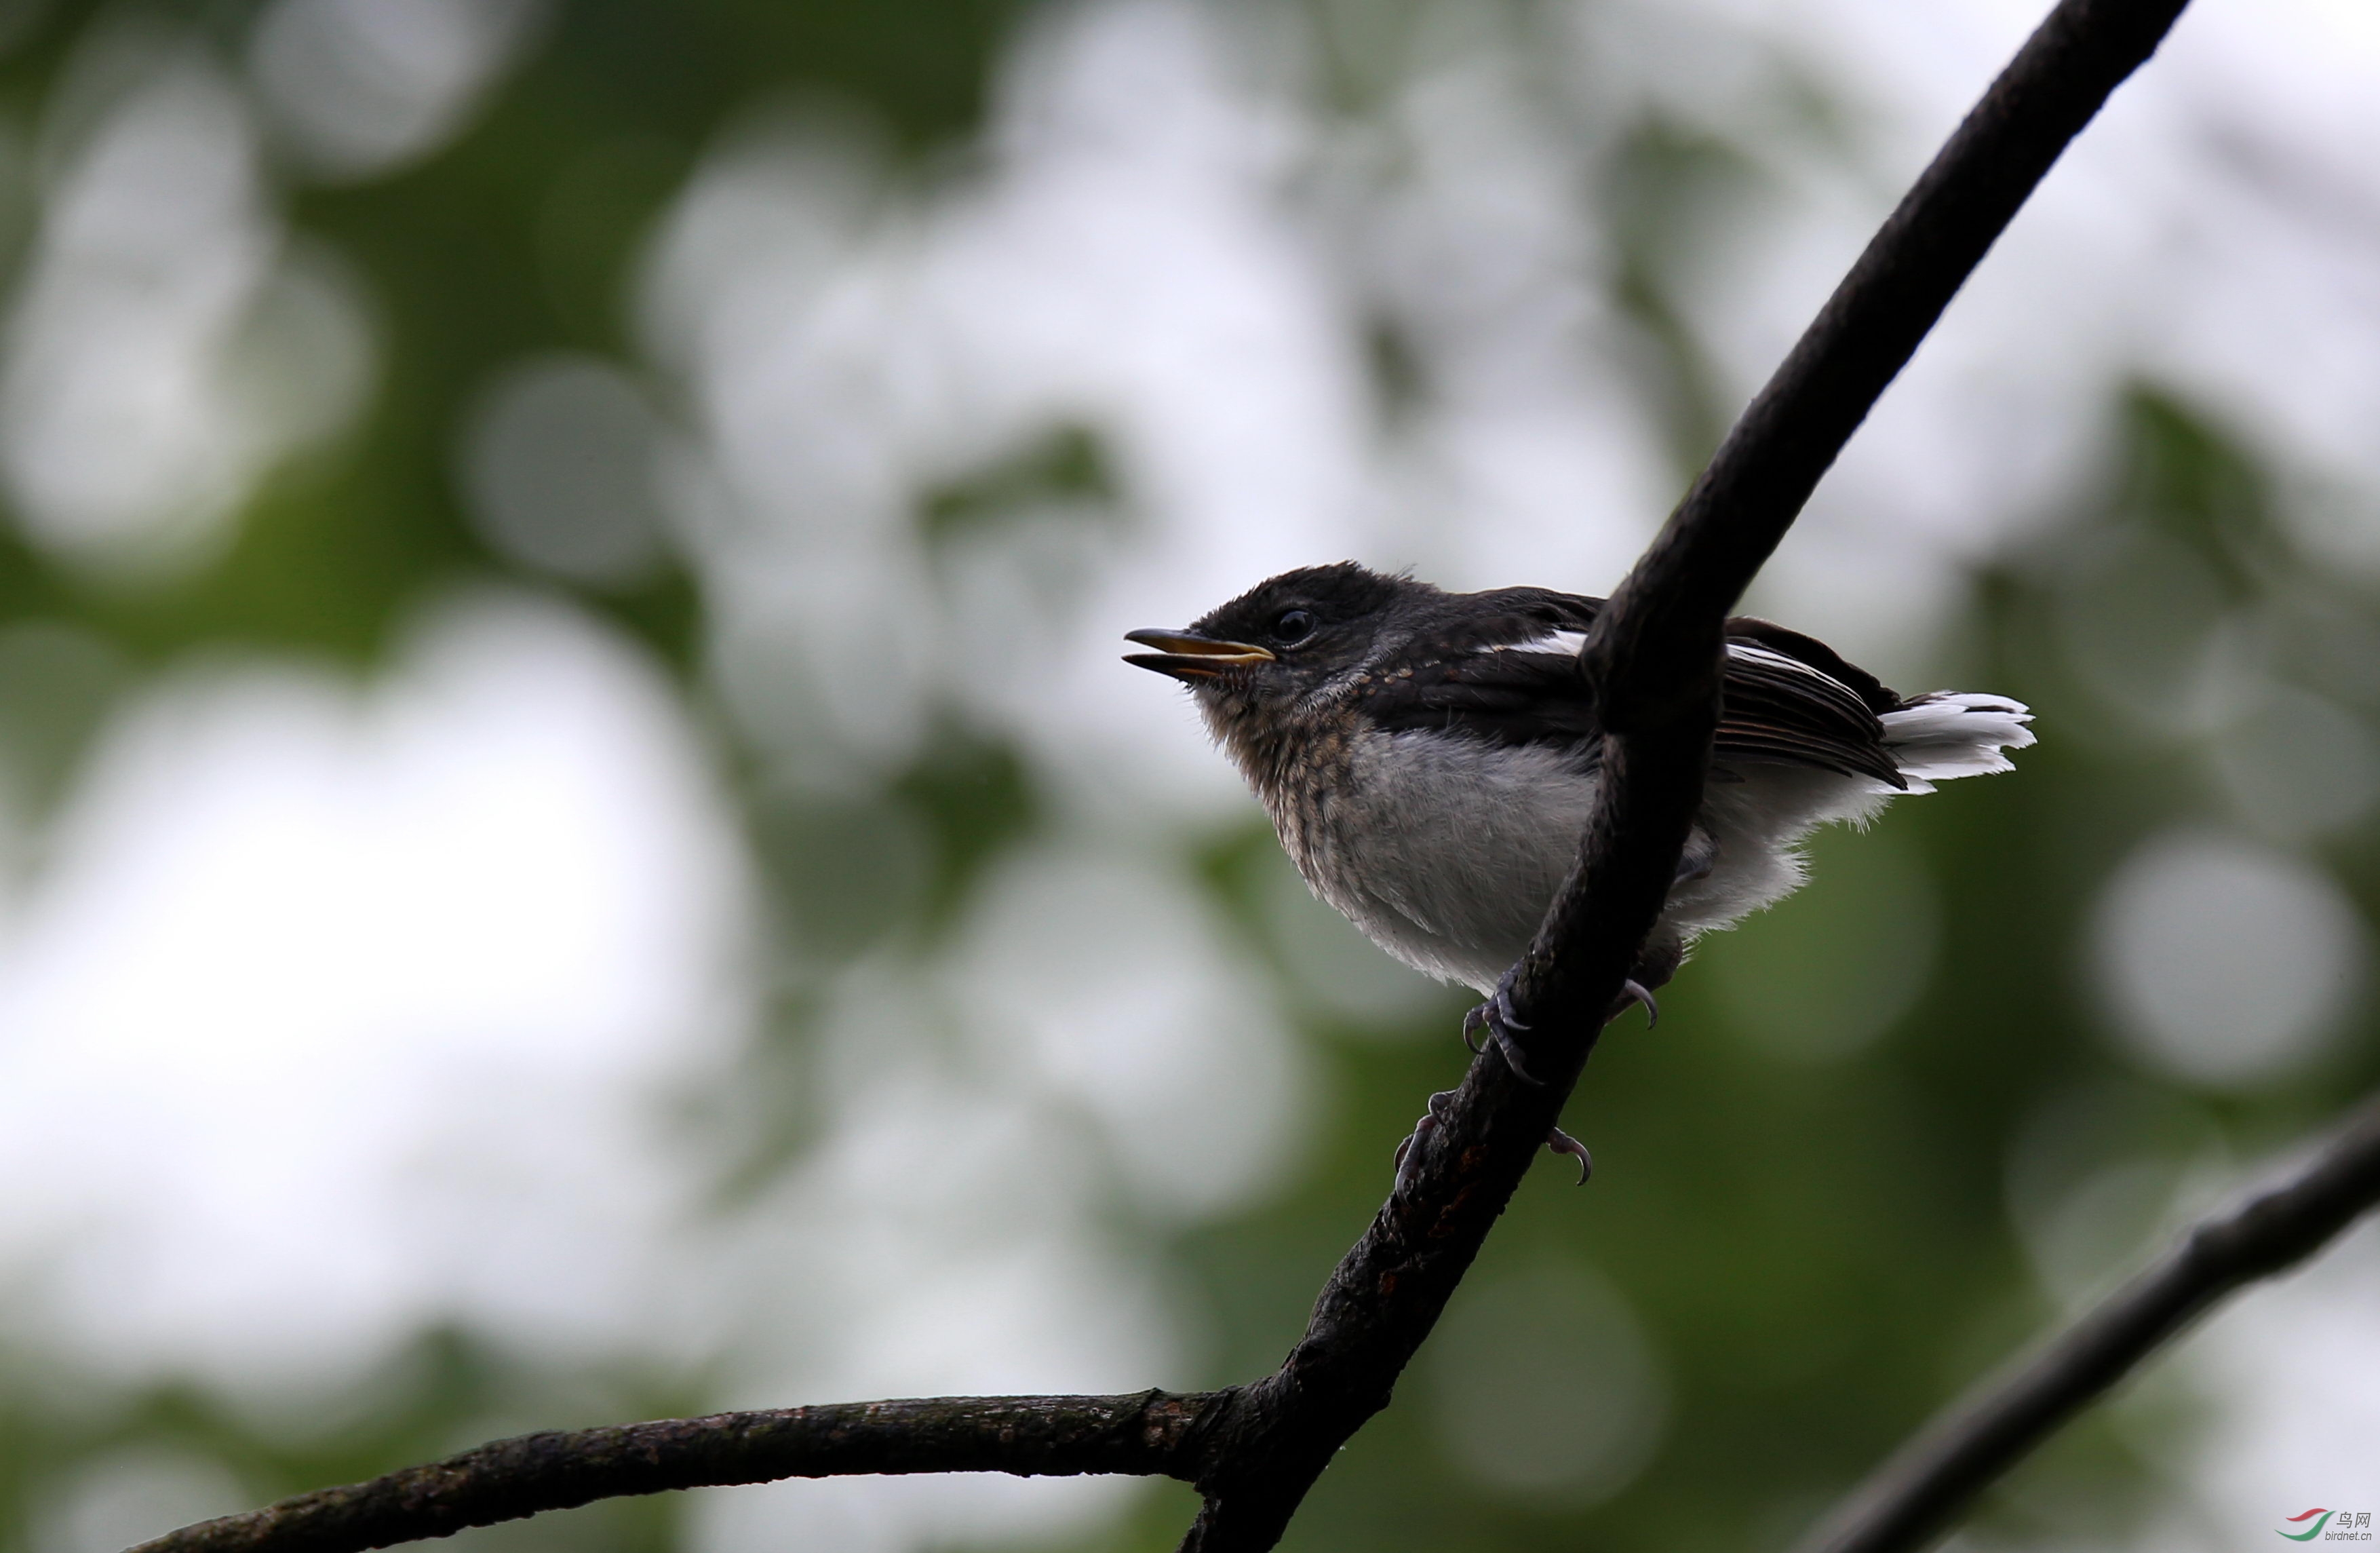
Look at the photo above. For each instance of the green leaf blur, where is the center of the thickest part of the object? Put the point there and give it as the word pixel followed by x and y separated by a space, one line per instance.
pixel 1836 1185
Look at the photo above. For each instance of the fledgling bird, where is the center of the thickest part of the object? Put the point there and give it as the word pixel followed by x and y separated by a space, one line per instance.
pixel 1429 759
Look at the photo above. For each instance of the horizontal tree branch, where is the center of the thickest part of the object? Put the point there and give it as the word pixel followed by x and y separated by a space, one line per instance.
pixel 1911 1499
pixel 1150 1434
pixel 1918 1493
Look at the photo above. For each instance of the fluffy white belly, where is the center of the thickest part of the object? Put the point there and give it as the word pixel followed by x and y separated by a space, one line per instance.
pixel 1446 851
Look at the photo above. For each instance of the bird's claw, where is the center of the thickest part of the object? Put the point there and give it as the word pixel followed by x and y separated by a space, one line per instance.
pixel 1428 1120
pixel 1633 991
pixel 1560 1142
pixel 1497 1018
pixel 1557 1142
pixel 1473 1019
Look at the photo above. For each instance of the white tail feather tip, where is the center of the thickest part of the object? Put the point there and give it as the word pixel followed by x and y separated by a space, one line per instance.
pixel 1956 733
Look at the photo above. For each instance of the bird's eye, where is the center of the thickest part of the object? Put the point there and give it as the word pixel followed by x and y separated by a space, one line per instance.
pixel 1295 626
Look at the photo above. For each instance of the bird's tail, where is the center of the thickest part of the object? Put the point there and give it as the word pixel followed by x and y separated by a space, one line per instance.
pixel 1954 733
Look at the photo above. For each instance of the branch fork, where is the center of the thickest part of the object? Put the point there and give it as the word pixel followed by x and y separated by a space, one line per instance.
pixel 1653 658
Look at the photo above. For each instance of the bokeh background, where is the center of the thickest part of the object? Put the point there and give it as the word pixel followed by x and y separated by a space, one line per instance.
pixel 573 844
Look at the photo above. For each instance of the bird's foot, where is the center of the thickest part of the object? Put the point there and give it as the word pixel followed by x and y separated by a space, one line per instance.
pixel 1560 1142
pixel 1557 1141
pixel 1428 1120
pixel 1633 991
pixel 1497 1018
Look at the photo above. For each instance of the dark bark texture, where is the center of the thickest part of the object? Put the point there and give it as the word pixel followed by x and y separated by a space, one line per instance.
pixel 1145 1433
pixel 1654 661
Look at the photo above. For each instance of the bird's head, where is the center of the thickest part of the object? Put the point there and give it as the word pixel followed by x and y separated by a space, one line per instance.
pixel 1273 648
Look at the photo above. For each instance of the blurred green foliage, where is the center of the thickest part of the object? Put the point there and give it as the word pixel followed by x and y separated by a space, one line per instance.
pixel 1804 1177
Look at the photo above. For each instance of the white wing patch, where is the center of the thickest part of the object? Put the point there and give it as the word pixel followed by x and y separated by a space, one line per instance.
pixel 1753 653
pixel 1566 642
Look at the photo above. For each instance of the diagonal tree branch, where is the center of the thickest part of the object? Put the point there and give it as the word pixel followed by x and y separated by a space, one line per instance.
pixel 1916 1494
pixel 1148 1434
pixel 1254 1451
pixel 1655 654
pixel 1654 659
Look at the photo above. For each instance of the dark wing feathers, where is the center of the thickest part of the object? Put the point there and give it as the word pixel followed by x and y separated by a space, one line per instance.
pixel 1787 697
pixel 1814 653
pixel 1778 707
pixel 1502 696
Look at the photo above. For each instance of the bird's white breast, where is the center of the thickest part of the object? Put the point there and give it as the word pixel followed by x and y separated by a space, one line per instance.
pixel 1447 850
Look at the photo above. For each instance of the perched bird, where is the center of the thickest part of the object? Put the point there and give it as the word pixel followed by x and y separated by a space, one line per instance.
pixel 1429 759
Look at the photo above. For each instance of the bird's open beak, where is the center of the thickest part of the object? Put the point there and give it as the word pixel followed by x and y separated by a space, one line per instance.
pixel 1186 656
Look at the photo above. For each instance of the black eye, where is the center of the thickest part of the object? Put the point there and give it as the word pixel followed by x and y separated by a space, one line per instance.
pixel 1295 626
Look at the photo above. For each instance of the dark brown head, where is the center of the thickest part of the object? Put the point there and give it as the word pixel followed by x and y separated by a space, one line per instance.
pixel 1318 627
pixel 1265 666
pixel 1279 641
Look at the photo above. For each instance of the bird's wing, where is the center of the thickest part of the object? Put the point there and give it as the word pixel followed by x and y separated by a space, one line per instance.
pixel 1776 707
pixel 1785 698
pixel 1503 695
